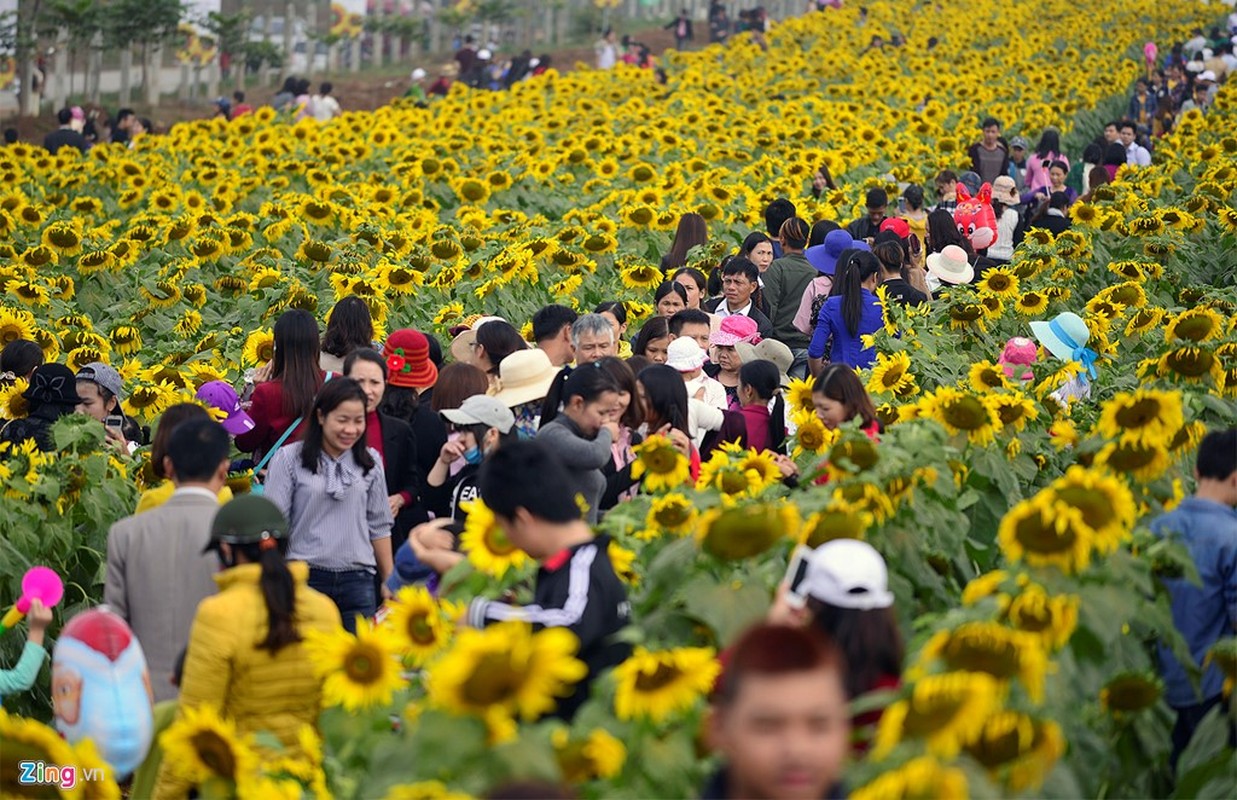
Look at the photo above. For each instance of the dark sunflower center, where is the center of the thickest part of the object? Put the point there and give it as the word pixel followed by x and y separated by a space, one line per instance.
pixel 420 631
pixel 1130 458
pixel 1038 535
pixel 659 678
pixel 494 680
pixel 929 717
pixel 496 541
pixel 998 747
pixel 672 516
pixel 215 753
pixel 1139 414
pixel 967 313
pixel 835 525
pixel 1196 328
pixel 979 652
pixel 660 461
pixel 1132 693
pixel 966 413
pixel 1010 413
pixel 364 664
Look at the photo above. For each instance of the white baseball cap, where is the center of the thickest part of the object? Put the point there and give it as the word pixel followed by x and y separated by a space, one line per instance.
pixel 848 573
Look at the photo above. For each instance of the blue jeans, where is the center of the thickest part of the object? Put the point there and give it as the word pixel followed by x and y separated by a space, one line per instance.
pixel 353 592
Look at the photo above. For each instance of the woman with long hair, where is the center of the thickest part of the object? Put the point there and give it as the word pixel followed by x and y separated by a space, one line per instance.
pixel 582 433
pixel 495 341
pixel 663 396
pixel 943 231
pixel 758 249
pixel 851 312
pixel 653 342
pixel 332 488
pixel 1047 151
pixel 895 271
pixel 350 327
pixel 616 314
pixel 838 396
pixel 102 391
pixel 18 361
pixel 246 656
pixel 628 415
pixel 691 232
pixel 764 410
pixel 288 395
pixel 669 299
pixel 391 437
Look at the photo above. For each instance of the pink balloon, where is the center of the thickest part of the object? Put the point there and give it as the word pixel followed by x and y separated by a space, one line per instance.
pixel 1150 51
pixel 42 584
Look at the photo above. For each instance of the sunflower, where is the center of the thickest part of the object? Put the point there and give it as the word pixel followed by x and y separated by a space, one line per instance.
pixel 1192 364
pixel 990 648
pixel 1052 618
pixel 959 412
pixel 1019 747
pixel 1187 439
pixel 798 395
pixel 26 739
pixel 985 585
pixel 314 252
pixel 853 453
pixel 1106 503
pixel 1199 324
pixel 671 513
pixel 811 435
pixel 15 325
pixel 424 790
pixel 838 520
pixel 598 755
pixel 892 374
pixel 660 465
pixel 259 347
pixel 986 377
pixel 999 282
pixel 658 684
pixel 1143 320
pixel 947 710
pixel 12 404
pixel 1143 463
pixel 29 292
pixel 202 745
pixel 741 532
pixel 486 543
pixel 729 476
pixel 1131 692
pixel 919 777
pixel 1145 416
pixel 505 671
pixel 358 671
pixel 641 276
pixel 1046 533
pixel 126 340
pixel 419 624
pixel 1014 410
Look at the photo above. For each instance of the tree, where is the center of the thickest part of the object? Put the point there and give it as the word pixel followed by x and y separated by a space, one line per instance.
pixel 144 23
pixel 80 19
pixel 232 33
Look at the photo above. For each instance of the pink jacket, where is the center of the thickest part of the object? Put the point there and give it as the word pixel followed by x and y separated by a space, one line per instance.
pixel 820 286
pixel 1037 173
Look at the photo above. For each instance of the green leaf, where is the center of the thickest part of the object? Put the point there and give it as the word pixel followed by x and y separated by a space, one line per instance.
pixel 728 610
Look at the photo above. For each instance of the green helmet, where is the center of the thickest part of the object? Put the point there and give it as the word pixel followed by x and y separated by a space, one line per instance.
pixel 247 519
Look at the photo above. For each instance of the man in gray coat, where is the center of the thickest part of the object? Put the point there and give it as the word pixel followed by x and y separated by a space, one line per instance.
pixel 156 572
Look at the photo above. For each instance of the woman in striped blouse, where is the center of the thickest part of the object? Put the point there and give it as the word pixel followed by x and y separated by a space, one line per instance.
pixel 332 489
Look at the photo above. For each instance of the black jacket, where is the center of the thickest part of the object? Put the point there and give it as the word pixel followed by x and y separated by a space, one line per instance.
pixel 901 291
pixel 577 589
pixel 37 426
pixel 445 500
pixel 403 474
pixel 65 137
pixel 764 325
pixel 430 434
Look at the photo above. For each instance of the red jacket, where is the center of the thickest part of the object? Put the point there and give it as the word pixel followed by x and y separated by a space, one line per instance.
pixel 269 420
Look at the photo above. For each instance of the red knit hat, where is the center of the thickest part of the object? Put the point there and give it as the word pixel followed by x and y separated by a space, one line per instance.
pixel 408 359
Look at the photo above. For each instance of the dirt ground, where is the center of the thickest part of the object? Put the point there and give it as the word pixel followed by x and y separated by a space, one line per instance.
pixel 356 91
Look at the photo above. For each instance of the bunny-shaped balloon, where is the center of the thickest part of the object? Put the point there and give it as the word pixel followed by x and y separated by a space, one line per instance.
pixel 975 217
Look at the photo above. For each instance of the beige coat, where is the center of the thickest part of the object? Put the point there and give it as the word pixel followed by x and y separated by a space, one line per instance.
pixel 157 575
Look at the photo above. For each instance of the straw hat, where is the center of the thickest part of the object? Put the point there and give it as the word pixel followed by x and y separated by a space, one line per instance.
pixel 462 344
pixel 768 350
pixel 525 376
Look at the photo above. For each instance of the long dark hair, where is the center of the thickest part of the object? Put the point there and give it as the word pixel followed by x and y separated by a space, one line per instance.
pixel 296 360
pixel 613 307
pixel 943 231
pixel 656 328
pixel 500 339
pixel 278 592
pixel 349 328
pixel 587 382
pixel 868 638
pixel 698 278
pixel 626 380
pixel 891 256
pixel 839 383
pixel 665 396
pixel 849 286
pixel 666 288
pixel 763 378
pixel 750 241
pixel 1049 144
pixel 692 231
pixel 334 393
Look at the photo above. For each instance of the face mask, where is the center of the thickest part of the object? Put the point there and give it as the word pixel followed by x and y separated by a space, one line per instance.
pixel 473 455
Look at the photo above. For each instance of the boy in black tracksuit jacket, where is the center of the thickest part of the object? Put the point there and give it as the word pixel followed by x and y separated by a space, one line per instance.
pixel 577 587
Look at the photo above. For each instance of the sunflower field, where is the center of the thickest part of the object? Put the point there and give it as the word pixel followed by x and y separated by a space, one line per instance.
pixel 1012 524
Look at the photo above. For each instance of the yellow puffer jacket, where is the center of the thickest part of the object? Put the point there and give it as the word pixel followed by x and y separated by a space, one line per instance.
pixel 225 668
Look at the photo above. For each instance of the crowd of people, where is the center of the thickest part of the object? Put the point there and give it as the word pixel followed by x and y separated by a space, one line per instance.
pixel 366 454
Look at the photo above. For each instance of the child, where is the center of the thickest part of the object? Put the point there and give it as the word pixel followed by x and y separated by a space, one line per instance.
pixel 21 677
pixel 1066 338
pixel 1017 357
pixel 577 587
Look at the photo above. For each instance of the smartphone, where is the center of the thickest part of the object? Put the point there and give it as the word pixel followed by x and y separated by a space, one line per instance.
pixel 114 422
pixel 796 576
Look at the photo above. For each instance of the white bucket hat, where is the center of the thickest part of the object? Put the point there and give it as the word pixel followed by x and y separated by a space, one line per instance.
pixel 525 376
pixel 848 573
pixel 950 265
